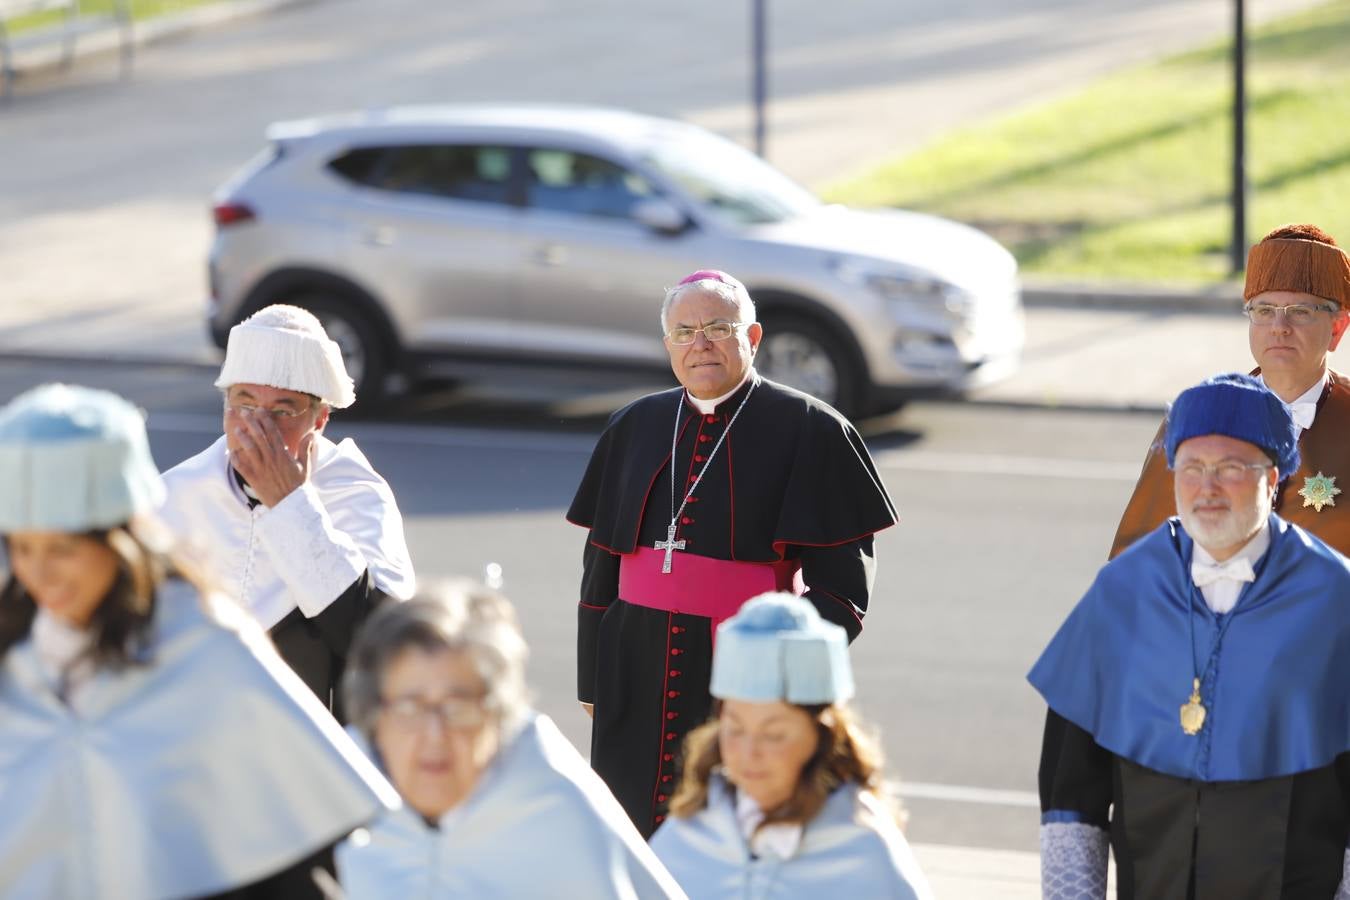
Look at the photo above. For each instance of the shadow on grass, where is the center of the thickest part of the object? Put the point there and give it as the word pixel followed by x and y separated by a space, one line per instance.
pixel 1322 34
pixel 1265 101
pixel 1030 242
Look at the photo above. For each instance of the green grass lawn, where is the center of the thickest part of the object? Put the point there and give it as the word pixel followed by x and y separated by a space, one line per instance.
pixel 1129 178
pixel 140 9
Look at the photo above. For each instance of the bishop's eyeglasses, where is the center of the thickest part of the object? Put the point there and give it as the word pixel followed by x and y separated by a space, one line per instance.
pixel 1294 313
pixel 717 331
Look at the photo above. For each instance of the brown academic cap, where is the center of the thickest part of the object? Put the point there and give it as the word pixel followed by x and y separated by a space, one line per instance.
pixel 1297 264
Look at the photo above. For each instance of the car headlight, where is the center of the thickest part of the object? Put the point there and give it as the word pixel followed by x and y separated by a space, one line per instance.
pixel 906 290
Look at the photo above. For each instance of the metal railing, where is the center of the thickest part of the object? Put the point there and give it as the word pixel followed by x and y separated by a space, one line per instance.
pixel 75 22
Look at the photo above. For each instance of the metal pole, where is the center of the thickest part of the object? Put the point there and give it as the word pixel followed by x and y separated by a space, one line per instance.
pixel 1240 188
pixel 759 75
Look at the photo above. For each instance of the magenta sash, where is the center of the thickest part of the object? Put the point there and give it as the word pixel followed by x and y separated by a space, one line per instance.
pixel 700 585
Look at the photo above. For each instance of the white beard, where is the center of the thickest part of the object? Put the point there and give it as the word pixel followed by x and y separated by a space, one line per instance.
pixel 1235 529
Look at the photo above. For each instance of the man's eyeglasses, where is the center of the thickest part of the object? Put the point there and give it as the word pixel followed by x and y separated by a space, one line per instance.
pixel 1294 313
pixel 717 331
pixel 1227 472
pixel 414 713
pixel 280 414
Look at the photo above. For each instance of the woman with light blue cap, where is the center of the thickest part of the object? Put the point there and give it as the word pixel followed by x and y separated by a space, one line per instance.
pixel 782 793
pixel 152 744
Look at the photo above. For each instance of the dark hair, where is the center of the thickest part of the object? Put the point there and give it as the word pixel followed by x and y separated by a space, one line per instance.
pixel 845 753
pixel 1303 232
pixel 122 619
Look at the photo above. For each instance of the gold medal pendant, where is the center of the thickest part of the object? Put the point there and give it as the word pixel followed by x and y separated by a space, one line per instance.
pixel 1193 712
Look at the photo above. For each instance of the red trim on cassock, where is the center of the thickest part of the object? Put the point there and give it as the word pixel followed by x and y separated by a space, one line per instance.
pixel 665 687
pixel 779 545
pixel 852 610
pixel 591 605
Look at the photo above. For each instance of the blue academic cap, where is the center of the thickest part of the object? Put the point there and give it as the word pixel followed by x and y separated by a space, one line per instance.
pixel 1236 406
pixel 73 459
pixel 777 647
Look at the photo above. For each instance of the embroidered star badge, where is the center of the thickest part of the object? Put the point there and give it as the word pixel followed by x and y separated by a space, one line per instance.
pixel 1319 490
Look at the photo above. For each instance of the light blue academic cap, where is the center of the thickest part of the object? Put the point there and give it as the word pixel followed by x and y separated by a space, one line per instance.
pixel 73 459
pixel 777 647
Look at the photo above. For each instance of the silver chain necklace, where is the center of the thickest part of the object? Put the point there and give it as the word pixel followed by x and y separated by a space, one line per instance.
pixel 670 545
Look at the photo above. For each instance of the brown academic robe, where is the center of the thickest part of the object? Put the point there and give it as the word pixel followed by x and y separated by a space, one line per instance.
pixel 1324 448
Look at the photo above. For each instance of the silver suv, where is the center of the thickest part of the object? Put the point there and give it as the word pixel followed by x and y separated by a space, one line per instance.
pixel 431 241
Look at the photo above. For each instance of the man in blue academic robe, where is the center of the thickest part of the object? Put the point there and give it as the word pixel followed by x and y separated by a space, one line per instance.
pixel 1198 719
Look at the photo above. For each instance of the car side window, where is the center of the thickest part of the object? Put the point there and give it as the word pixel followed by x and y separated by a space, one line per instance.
pixel 578 183
pixel 475 173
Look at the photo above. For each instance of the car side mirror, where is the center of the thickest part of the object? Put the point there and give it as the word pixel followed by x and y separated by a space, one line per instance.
pixel 660 215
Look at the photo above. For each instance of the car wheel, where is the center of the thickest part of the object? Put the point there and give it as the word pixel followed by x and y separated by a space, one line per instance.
pixel 802 353
pixel 364 352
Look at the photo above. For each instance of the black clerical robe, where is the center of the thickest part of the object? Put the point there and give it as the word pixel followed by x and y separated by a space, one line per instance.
pixel 792 484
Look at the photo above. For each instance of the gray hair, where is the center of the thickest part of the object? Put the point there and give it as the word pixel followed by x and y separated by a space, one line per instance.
pixel 458 615
pixel 735 294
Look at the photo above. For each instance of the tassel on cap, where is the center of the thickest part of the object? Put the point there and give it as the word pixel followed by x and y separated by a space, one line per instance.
pixel 1305 266
pixel 1236 406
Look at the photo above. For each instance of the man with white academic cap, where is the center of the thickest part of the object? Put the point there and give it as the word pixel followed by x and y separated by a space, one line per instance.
pixel 303 531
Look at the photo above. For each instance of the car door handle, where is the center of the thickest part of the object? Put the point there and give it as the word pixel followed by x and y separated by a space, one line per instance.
pixel 551 255
pixel 383 236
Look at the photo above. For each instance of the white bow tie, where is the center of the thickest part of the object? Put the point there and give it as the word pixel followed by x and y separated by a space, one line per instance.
pixel 1236 569
pixel 1303 413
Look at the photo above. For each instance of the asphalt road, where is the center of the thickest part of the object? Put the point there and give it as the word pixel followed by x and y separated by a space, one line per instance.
pixel 105 184
pixel 1006 515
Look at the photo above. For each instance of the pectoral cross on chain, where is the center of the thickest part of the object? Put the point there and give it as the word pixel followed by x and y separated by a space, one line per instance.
pixel 670 545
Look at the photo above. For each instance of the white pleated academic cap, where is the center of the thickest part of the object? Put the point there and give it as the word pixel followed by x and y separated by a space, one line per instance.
pixel 286 347
pixel 777 647
pixel 74 459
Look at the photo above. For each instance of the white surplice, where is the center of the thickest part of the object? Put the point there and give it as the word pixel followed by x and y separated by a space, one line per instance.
pixel 305 551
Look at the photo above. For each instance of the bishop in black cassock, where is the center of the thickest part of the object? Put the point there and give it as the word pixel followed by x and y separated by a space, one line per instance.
pixel 789 500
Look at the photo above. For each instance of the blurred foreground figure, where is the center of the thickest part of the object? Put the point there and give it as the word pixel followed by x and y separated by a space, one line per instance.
pixel 152 744
pixel 1197 719
pixel 304 532
pixel 695 500
pixel 497 802
pixel 781 793
pixel 1297 294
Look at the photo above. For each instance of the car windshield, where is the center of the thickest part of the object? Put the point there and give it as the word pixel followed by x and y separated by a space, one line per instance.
pixel 729 180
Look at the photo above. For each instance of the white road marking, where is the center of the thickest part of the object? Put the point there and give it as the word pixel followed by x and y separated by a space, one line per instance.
pixel 960 793
pixel 992 464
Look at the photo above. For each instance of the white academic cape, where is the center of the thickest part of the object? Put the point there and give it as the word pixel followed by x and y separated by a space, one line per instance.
pixel 307 549
pixel 209 768
pixel 539 823
pixel 852 848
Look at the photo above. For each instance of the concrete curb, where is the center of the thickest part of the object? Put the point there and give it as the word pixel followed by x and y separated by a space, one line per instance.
pixel 1220 299
pixel 46 56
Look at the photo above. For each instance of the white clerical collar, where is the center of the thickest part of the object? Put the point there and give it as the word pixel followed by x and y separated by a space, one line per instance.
pixel 708 406
pixel 1303 408
pixel 780 839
